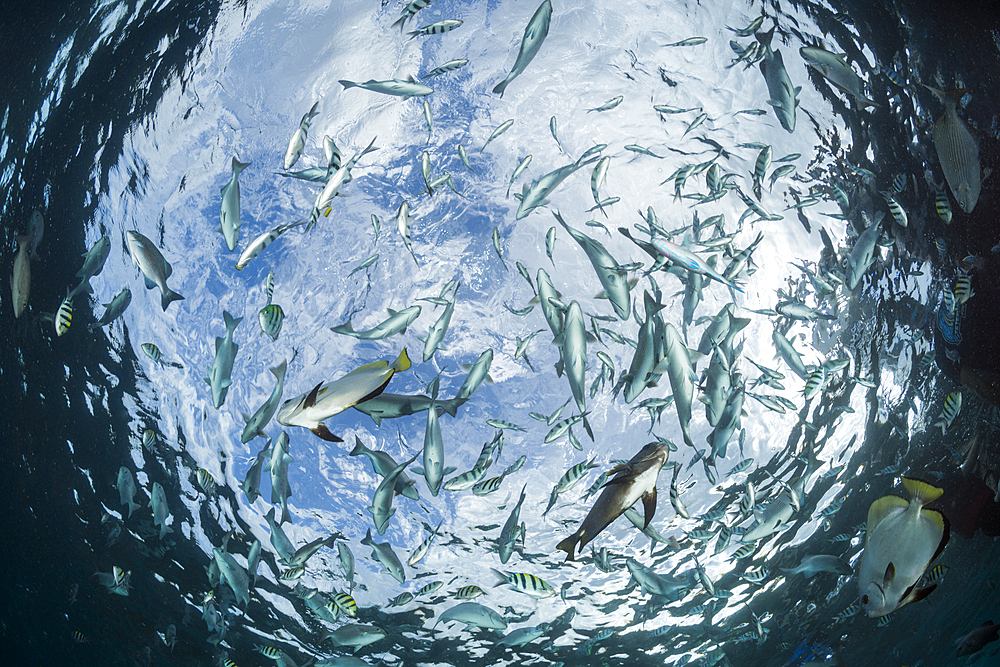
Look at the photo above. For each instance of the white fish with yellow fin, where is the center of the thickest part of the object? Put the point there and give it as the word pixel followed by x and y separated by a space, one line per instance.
pixel 902 538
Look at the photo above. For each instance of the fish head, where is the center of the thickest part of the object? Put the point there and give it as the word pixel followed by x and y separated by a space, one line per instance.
pixel 873 601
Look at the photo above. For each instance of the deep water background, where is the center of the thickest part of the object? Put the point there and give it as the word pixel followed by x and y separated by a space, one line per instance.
pixel 74 405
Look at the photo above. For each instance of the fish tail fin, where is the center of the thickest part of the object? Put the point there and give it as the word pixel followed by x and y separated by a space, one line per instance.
pixel 569 546
pixel 500 87
pixel 279 370
pixel 239 166
pixel 402 362
pixel 359 447
pixel 169 296
pixel 501 577
pixel 921 491
pixel 231 322
pixel 763 38
pixel 348 84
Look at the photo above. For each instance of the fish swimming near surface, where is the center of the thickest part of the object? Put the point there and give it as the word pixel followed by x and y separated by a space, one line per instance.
pixel 835 69
pixel 155 269
pixel 20 280
pixel 326 400
pixel 534 35
pixel 397 323
pixel 779 86
pixel 221 370
pixel 958 152
pixel 93 262
pixel 901 540
pixel 114 309
pixel 632 481
pixel 229 214
pixel 298 140
pixel 405 88
pixel 262 416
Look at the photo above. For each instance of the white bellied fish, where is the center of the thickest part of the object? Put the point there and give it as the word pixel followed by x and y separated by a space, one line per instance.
pixel 229 215
pixel 155 269
pixel 534 35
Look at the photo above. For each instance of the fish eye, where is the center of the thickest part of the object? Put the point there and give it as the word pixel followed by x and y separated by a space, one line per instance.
pixel 864 599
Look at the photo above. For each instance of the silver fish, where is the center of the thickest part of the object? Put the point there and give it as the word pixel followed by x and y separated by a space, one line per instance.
pixel 534 35
pixel 503 127
pixel 326 400
pixel 126 489
pixel 901 540
pixel 158 501
pixel 298 140
pixel 405 88
pixel 449 66
pixel 383 553
pixel 381 507
pixel 229 215
pixel 397 323
pixel 783 96
pixel 154 267
pixel 280 490
pixel 257 246
pixel 220 372
pixel 836 70
pixel 255 425
pixel 114 309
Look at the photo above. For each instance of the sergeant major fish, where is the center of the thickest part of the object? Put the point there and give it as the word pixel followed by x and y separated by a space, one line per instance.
pixel 298 140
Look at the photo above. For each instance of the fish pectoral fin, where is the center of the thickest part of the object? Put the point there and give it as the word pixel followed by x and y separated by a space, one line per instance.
pixel 649 506
pixel 310 399
pixel 890 574
pixel 916 594
pixel 323 432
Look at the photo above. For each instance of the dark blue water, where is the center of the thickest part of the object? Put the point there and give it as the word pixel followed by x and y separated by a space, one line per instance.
pixel 75 404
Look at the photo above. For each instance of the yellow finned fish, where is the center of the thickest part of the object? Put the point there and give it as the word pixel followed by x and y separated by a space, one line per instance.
pixel 324 401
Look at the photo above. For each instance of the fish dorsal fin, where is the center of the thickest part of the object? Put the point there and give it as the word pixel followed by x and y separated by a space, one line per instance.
pixel 310 399
pixel 391 311
pixel 890 574
pixel 916 594
pixel 882 508
pixel 921 492
pixel 941 521
pixel 649 506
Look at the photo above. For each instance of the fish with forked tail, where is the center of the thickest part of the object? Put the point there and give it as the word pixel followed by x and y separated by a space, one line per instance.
pixel 534 35
pixel 632 481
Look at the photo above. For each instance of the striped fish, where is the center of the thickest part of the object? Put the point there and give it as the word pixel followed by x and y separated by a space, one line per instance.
pixel 898 214
pixel 958 152
pixel 269 652
pixel 963 288
pixel 528 584
pixel 293 573
pixel 934 576
pixel 409 11
pixel 269 286
pixel 206 482
pixel 270 317
pixel 449 66
pixel 488 486
pixel 435 28
pixel 745 551
pixel 469 592
pixel 346 604
pixel 952 404
pixel 898 184
pixel 64 316
pixel 755 576
pixel 401 599
pixel 943 207
pixel 429 588
pixel 742 466
pixel 148 439
pixel 724 536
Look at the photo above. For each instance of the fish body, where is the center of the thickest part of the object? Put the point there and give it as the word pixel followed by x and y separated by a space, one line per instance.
pixel 652 583
pixel 535 195
pixel 573 343
pixel 436 28
pixel 381 507
pixel 251 483
pixel 503 127
pixel 474 614
pixel 836 70
pixel 528 584
pixel 229 214
pixel 93 260
pixel 510 531
pixel 952 405
pixel 126 489
pixel 234 575
pixel 958 153
pixel 682 378
pixel 154 267
pixel 977 639
pixel 405 88
pixel 280 489
pixel 438 329
pixel 811 565
pixel 686 259
pixel 158 501
pixel 610 104
pixel 384 465
pixel 422 549
pixel 640 372
pixel 334 183
pixel 633 481
pixel 449 66
pixel 271 318
pixel 346 563
pixel 390 406
pixel 220 373
pixel 614 282
pixel 257 246
pixel 296 143
pixel 901 540
pixel 262 416
pixel 409 11
pixel 433 451
pixel 479 372
pixel 20 279
pixel 114 309
pixel 779 86
pixel 861 256
pixel 355 636
pixel 383 553
pixel 534 35
pixel 326 400
pixel 64 315
pixel 396 323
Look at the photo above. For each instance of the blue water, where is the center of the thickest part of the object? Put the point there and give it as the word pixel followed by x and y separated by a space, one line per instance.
pixel 123 117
